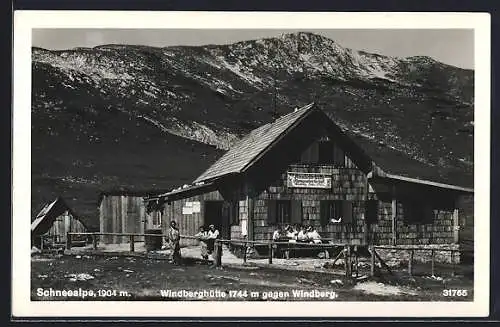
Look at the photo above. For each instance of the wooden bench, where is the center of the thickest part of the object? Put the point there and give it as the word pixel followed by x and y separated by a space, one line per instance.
pixel 297 250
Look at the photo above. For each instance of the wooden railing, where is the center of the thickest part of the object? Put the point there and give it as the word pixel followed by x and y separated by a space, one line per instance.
pixel 411 249
pixel 349 251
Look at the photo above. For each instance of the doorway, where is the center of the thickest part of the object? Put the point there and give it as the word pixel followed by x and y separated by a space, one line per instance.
pixel 217 213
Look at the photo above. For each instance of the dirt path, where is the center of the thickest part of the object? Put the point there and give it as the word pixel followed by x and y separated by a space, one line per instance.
pixel 148 279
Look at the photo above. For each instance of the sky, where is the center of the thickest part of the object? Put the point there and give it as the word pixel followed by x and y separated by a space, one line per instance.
pixel 451 46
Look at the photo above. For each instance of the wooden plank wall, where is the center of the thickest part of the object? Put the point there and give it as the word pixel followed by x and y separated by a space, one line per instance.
pixel 62 225
pixel 188 224
pixel 465 205
pixel 121 214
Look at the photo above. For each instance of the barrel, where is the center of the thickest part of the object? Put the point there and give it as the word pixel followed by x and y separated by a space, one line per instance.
pixel 153 242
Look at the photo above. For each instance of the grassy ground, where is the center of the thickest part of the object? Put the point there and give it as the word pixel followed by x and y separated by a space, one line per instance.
pixel 143 279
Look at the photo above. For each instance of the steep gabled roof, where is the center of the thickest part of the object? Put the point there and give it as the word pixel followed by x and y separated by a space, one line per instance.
pixel 48 215
pixel 250 147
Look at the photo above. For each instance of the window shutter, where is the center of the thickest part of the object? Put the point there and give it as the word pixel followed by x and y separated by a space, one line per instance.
pixel 428 214
pixel 407 212
pixel 371 214
pixel 347 212
pixel 271 212
pixel 338 156
pixel 323 212
pixel 326 152
pixel 314 152
pixel 296 208
pixel 305 156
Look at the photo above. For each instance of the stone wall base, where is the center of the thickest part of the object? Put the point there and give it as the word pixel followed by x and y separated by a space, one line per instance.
pixel 424 255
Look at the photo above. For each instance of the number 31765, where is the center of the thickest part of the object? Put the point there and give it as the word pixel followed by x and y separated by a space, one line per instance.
pixel 450 292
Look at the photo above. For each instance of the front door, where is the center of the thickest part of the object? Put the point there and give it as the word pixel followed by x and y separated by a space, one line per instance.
pixel 153 220
pixel 217 214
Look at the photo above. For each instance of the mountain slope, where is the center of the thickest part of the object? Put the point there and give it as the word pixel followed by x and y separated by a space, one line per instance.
pixel 144 106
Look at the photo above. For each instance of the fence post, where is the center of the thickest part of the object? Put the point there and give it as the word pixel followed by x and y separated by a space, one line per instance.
pixel 94 241
pixel 270 253
pixel 245 253
pixel 132 243
pixel 372 261
pixel 41 243
pixel 356 262
pixel 432 262
pixel 452 263
pixel 347 262
pixel 410 264
pixel 218 253
pixel 68 241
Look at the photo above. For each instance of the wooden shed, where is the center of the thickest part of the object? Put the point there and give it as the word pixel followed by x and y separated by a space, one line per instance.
pixel 53 223
pixel 304 169
pixel 124 211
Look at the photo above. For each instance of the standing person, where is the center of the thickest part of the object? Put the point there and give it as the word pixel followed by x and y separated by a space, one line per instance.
pixel 174 239
pixel 202 237
pixel 277 237
pixel 212 234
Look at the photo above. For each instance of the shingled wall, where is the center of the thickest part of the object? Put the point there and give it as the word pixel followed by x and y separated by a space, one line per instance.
pixel 347 184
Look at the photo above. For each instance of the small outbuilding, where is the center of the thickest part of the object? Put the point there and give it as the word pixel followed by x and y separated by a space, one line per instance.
pixel 53 223
pixel 124 211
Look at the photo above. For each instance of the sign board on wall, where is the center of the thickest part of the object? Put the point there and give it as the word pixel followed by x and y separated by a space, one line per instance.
pixel 196 206
pixel 308 180
pixel 191 207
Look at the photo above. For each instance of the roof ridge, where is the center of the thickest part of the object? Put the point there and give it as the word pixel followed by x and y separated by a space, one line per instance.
pixel 264 136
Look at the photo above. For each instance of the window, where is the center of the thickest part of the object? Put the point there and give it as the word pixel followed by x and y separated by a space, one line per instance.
pixel 310 155
pixel 282 212
pixel 326 149
pixel 324 152
pixel 338 156
pixel 416 212
pixel 371 213
pixel 336 212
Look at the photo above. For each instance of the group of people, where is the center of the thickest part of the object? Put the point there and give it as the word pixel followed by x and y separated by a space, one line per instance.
pixel 207 239
pixel 297 233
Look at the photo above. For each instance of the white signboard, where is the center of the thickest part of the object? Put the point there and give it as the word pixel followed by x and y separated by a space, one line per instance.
pixel 196 206
pixel 309 180
pixel 187 209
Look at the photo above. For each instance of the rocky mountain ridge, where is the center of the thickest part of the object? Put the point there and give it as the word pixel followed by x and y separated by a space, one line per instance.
pixel 123 97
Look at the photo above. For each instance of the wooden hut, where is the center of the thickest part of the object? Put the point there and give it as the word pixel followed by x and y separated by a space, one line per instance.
pixel 124 211
pixel 53 223
pixel 303 168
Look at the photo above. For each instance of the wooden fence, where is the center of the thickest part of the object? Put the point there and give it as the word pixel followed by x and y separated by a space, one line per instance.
pixel 411 250
pixel 349 252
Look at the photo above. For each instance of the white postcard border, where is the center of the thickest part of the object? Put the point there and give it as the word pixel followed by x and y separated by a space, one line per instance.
pixel 25 21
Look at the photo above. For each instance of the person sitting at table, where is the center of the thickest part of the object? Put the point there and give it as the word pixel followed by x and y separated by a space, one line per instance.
pixel 291 234
pixel 302 234
pixel 277 234
pixel 313 235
